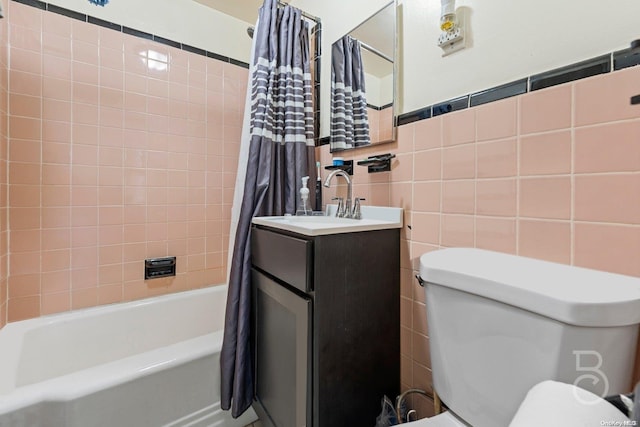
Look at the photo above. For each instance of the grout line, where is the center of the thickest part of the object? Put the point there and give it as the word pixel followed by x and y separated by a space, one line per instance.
pixel 518 170
pixel 440 213
pixel 572 234
pixel 475 179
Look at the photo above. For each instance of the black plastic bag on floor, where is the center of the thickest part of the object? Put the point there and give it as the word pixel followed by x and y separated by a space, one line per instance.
pixel 388 416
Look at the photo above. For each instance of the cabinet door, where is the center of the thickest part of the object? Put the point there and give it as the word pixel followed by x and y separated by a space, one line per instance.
pixel 282 354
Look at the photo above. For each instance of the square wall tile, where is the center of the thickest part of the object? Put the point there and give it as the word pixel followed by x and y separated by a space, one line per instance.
pixel 497 159
pixel 496 197
pixel 56 303
pixel 425 228
pixel 459 127
pixel 545 154
pixel 23 308
pixel 608 198
pixel 23 285
pixel 459 162
pixel 24 105
pixel 405 138
pixel 400 195
pixel 459 196
pixel 428 133
pixel 545 197
pixel 25 38
pixel 612 90
pixel 608 148
pixel 458 231
pixel 547 240
pixel 427 165
pixel 55 24
pixel 497 120
pixel 546 109
pixel 496 234
pixel 27 16
pixel 608 247
pixel 426 196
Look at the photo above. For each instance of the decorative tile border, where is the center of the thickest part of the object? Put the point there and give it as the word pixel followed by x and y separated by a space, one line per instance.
pixel 580 70
pixel 625 58
pixel 131 31
pixel 449 106
pixel 577 71
pixel 414 116
pixel 499 92
pixel 380 108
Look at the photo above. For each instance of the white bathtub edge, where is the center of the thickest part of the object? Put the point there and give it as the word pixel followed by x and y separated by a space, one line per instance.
pixel 12 334
pixel 81 383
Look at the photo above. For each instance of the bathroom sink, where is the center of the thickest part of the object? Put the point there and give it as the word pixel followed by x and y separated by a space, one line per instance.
pixel 373 218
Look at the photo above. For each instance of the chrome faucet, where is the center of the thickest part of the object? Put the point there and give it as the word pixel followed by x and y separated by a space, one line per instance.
pixel 346 211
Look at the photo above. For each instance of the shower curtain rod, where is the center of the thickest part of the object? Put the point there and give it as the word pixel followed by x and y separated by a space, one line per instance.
pixel 375 51
pixel 304 14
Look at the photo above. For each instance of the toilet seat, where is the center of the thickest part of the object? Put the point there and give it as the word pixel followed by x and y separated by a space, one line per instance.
pixel 446 419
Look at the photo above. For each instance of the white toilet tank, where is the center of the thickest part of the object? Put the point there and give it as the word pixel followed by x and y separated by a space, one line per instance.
pixel 499 324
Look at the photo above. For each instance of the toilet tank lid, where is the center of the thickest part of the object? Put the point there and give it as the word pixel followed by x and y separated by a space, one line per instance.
pixel 573 295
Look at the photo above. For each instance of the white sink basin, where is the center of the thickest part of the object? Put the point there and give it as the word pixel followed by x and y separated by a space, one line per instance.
pixel 373 218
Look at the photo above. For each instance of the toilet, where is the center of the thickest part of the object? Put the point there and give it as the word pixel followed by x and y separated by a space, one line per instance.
pixel 501 324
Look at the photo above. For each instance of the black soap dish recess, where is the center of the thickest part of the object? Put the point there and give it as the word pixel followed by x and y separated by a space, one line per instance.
pixel 379 163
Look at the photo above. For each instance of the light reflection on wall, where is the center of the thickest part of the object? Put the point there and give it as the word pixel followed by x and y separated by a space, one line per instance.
pixel 154 61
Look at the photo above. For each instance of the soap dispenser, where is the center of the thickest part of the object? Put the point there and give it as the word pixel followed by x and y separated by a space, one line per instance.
pixel 304 209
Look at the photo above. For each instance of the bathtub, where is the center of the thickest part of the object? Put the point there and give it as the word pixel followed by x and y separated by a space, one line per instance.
pixel 153 362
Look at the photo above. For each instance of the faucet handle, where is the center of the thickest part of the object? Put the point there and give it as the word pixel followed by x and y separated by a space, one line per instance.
pixel 340 210
pixel 356 214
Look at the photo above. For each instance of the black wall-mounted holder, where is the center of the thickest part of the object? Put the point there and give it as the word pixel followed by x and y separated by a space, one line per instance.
pixel 157 268
pixel 380 163
pixel 347 167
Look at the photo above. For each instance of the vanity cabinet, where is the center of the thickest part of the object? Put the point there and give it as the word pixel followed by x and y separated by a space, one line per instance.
pixel 326 336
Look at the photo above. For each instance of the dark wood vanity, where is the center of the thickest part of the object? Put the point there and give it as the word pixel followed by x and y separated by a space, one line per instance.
pixel 326 313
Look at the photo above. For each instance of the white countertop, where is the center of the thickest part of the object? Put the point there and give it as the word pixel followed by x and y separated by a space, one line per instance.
pixel 373 218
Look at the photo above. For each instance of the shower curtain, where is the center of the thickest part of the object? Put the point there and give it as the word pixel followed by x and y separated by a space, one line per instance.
pixel 349 121
pixel 279 150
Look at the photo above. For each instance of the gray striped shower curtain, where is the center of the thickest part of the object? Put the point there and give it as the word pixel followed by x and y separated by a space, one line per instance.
pixel 349 120
pixel 281 151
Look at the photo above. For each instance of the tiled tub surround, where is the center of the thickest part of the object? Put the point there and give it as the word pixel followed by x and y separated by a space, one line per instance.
pixel 120 149
pixel 553 174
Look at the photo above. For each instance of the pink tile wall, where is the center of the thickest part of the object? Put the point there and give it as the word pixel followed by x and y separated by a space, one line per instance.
pixel 551 174
pixel 120 149
pixel 4 252
pixel 380 124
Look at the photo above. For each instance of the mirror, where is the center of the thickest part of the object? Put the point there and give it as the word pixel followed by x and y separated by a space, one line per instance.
pixel 363 73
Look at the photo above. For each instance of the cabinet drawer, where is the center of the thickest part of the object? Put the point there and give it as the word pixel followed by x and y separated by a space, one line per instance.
pixel 285 257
